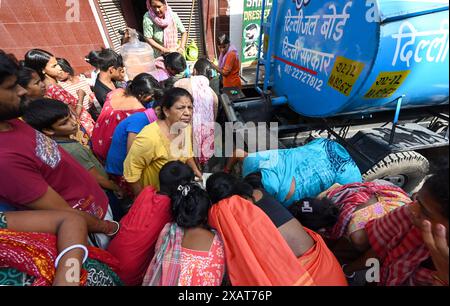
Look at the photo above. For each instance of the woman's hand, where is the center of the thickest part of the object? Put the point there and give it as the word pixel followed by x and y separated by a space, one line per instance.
pixel 437 244
pixel 79 108
pixel 215 66
pixel 199 175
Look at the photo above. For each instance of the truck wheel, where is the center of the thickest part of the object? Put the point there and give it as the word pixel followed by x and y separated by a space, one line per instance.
pixel 405 170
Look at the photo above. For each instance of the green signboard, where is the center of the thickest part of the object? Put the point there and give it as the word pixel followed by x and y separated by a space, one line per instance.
pixel 251 29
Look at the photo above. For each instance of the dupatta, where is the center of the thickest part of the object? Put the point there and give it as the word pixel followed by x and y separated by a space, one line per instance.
pixel 167 24
pixel 165 267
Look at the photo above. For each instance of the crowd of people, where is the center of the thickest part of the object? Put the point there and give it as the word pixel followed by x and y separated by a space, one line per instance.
pixel 105 177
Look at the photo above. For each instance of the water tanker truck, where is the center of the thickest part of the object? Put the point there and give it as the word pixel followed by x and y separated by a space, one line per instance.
pixel 372 74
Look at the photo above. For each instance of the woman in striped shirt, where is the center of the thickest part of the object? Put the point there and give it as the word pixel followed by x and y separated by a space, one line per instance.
pixel 72 83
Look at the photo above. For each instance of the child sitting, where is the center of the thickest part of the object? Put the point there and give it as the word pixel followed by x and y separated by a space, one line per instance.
pixel 54 119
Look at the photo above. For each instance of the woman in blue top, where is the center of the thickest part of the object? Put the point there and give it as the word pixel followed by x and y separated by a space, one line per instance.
pixel 294 174
pixel 124 136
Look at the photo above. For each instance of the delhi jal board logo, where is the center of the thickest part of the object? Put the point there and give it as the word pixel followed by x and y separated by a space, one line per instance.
pixel 299 4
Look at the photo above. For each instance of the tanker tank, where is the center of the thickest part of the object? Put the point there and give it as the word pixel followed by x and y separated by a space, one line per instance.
pixel 358 56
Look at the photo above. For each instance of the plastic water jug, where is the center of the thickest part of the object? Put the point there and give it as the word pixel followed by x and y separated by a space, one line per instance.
pixel 138 56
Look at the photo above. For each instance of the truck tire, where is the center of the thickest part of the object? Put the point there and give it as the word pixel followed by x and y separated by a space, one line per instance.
pixel 407 170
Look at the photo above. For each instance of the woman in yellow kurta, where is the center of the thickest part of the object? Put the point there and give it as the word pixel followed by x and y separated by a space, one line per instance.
pixel 167 139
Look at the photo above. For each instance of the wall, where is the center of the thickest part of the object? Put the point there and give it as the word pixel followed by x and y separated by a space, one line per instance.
pixel 216 20
pixel 236 20
pixel 52 26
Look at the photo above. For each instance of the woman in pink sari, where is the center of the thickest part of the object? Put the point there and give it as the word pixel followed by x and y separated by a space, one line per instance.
pixel 120 104
pixel 161 26
pixel 205 109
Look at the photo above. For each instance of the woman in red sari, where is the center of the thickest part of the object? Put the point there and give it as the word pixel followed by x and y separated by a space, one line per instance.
pixel 120 104
pixel 47 67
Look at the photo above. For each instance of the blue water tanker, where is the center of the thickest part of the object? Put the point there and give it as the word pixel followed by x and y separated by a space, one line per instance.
pixel 371 74
pixel 343 57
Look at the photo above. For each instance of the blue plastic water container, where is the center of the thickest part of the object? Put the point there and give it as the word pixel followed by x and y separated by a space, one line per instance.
pixel 358 56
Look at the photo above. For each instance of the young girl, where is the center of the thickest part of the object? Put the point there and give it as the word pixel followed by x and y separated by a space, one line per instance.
pixel 31 81
pixel 124 136
pixel 72 83
pixel 49 70
pixel 188 251
pixel 343 211
pixel 396 239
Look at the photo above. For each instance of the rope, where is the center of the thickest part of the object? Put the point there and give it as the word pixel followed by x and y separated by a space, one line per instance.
pixel 190 19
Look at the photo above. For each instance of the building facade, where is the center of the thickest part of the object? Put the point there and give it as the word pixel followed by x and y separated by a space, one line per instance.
pixel 72 28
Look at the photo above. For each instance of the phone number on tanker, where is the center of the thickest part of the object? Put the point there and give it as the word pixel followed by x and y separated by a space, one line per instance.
pixel 304 77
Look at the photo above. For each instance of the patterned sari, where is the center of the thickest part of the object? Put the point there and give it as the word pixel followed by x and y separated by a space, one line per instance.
pixel 174 265
pixel 349 197
pixel 56 92
pixel 27 259
pixel 203 120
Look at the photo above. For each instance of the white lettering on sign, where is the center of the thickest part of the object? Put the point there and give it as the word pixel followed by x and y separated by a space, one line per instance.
pixel 332 24
pixel 312 59
pixel 432 49
pixel 295 23
pixel 73 11
pixel 372 14
pixel 257 3
pixel 304 77
pixel 299 4
pixel 328 27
